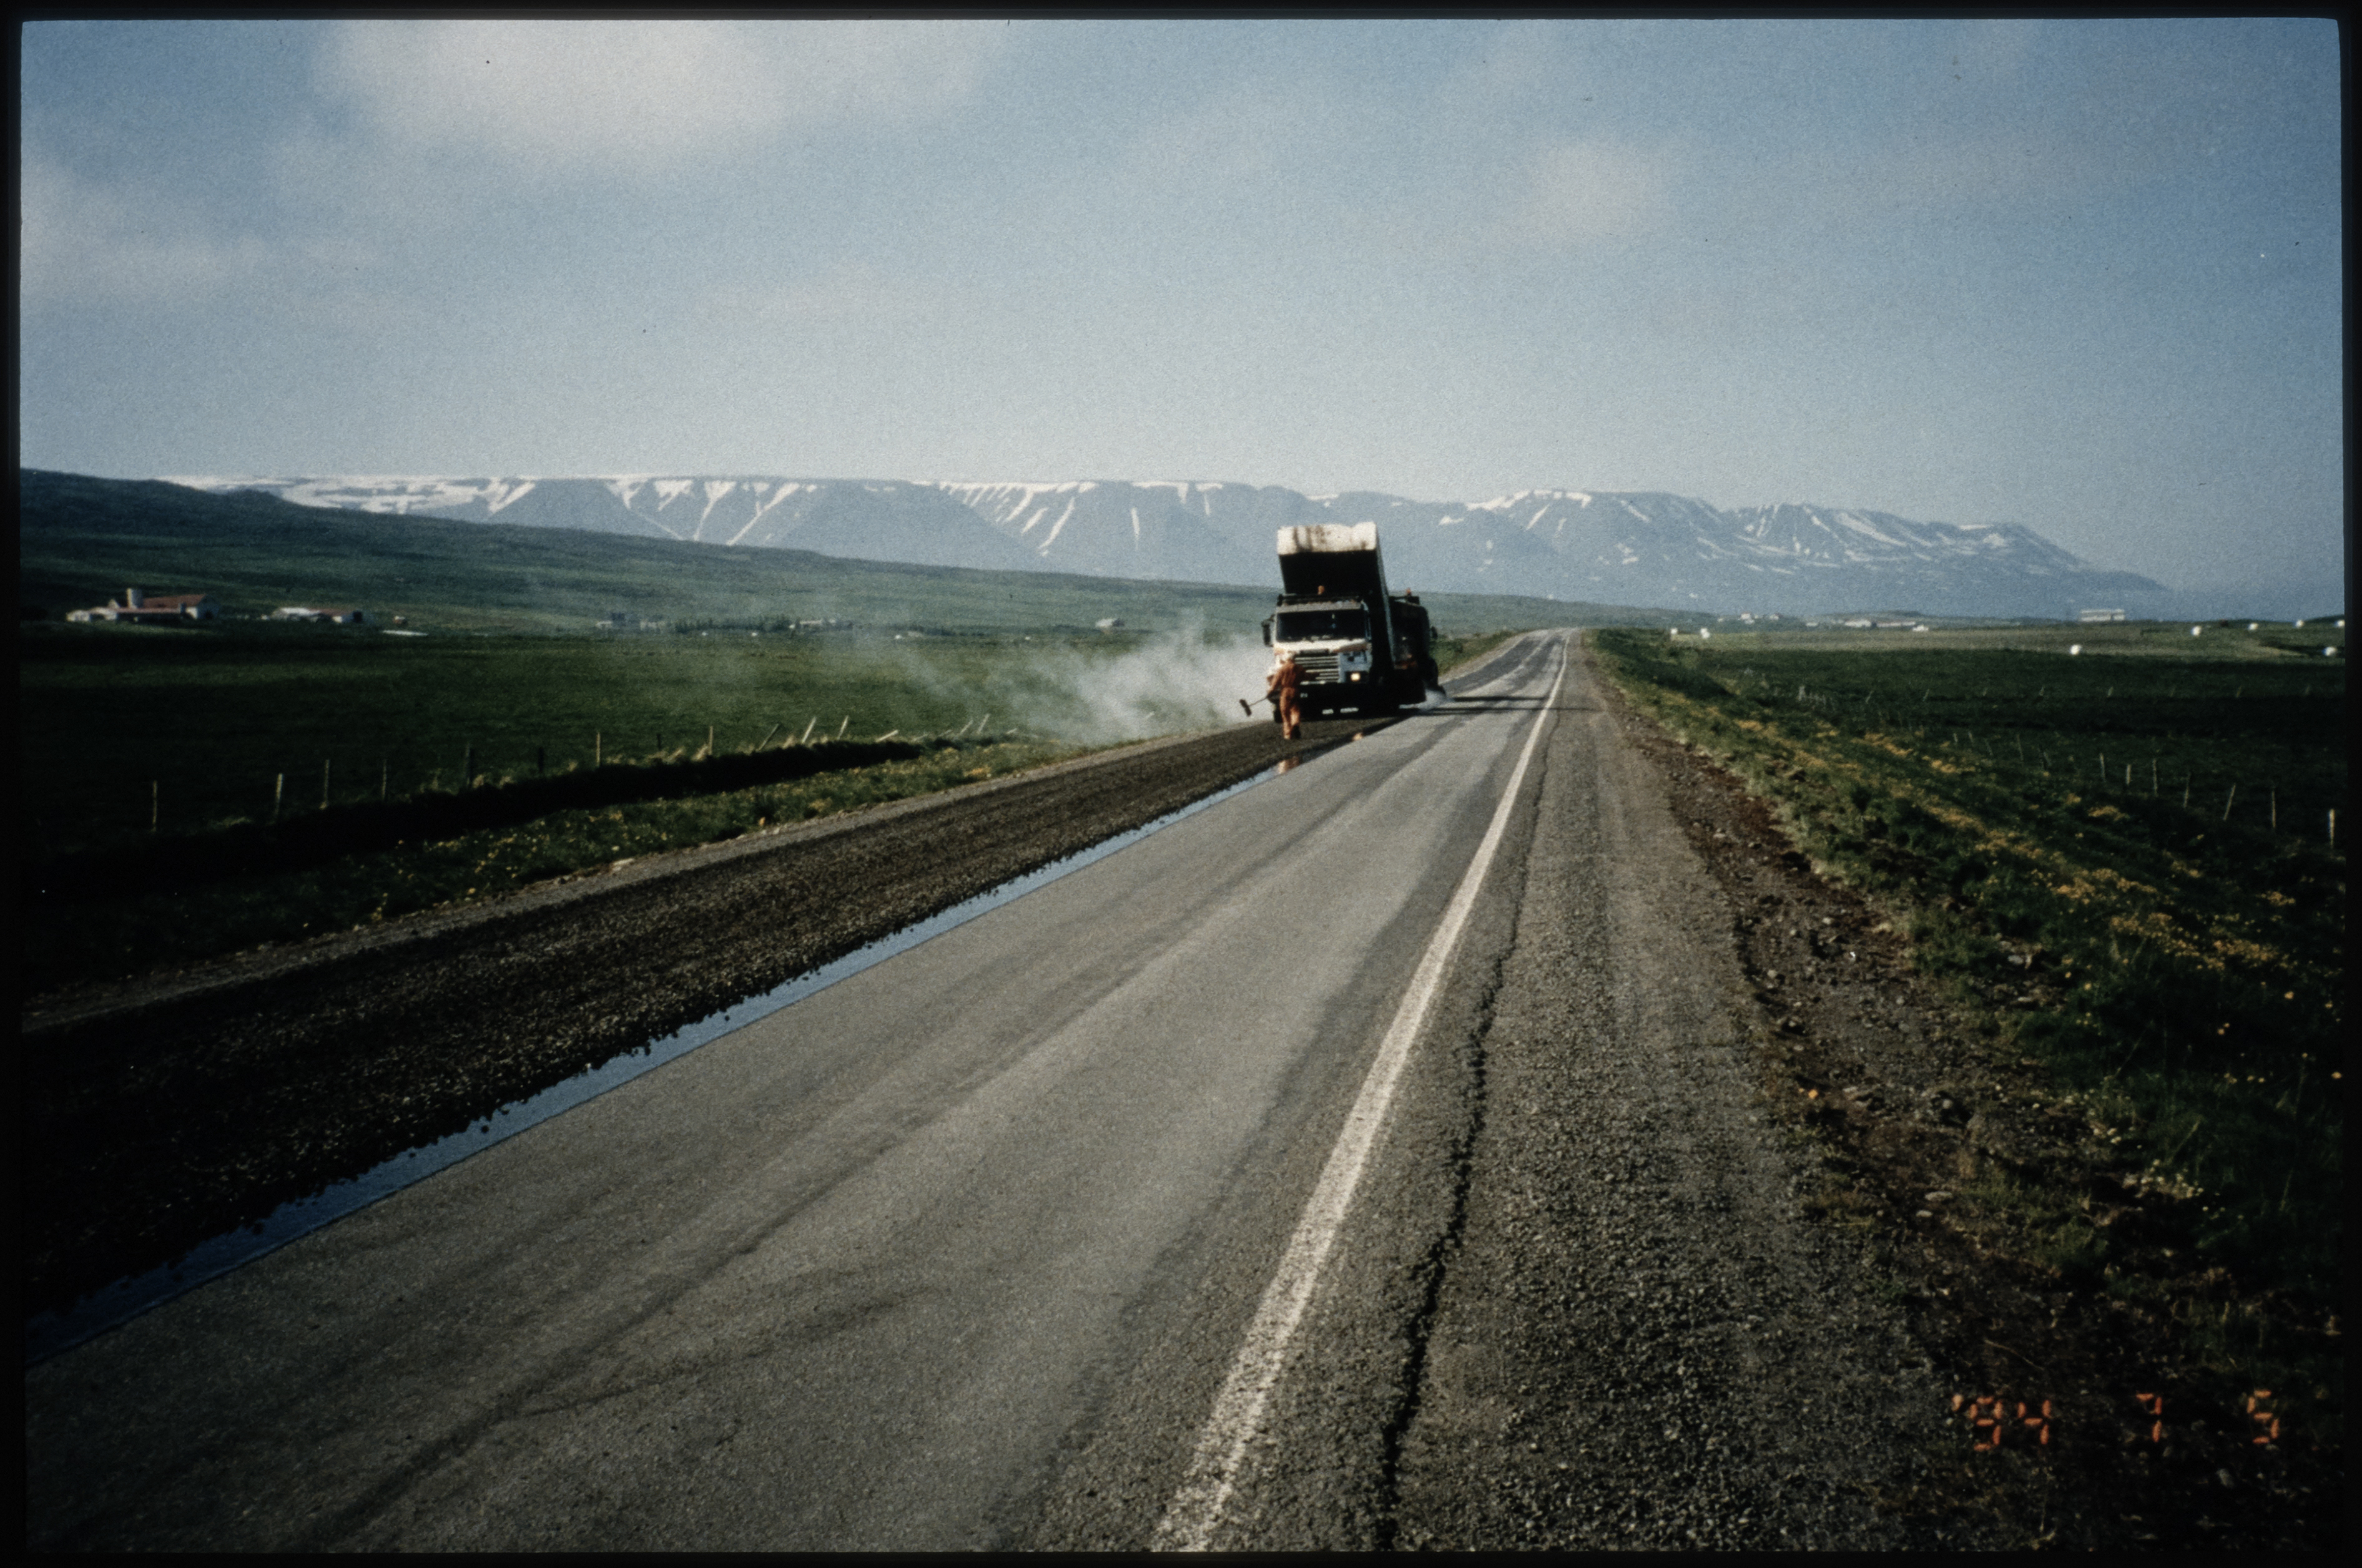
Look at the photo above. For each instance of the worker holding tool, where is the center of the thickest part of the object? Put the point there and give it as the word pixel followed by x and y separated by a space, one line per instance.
pixel 1285 680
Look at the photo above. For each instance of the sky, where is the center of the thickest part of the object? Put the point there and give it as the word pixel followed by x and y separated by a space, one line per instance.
pixel 2083 276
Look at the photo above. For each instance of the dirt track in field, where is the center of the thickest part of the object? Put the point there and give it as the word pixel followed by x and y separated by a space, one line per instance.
pixel 164 1112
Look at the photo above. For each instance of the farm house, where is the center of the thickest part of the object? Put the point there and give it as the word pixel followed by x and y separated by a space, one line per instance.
pixel 137 606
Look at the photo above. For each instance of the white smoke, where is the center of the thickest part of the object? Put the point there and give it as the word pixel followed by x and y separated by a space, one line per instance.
pixel 1175 681
pixel 1178 680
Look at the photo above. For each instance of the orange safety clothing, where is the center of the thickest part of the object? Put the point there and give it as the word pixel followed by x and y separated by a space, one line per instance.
pixel 1286 699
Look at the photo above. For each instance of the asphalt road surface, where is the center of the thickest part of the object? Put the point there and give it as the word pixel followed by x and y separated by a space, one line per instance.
pixel 979 1247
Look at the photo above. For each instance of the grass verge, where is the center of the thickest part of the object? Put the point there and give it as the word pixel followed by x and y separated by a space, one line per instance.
pixel 97 939
pixel 2176 964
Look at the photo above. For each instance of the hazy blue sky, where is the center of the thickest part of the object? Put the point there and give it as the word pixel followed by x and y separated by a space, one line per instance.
pixel 2079 275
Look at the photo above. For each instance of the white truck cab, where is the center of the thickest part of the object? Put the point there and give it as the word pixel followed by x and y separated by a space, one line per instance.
pixel 1331 642
pixel 1359 648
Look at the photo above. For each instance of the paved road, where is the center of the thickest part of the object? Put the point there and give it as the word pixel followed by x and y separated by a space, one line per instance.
pixel 901 1266
pixel 168 1110
pixel 999 1241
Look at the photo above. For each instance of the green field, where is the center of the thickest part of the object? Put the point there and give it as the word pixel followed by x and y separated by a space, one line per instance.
pixel 2273 640
pixel 142 746
pixel 203 726
pixel 2144 844
pixel 498 671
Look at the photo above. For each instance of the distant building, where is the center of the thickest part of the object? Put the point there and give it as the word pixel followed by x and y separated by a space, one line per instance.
pixel 320 612
pixel 1112 624
pixel 137 607
pixel 2098 617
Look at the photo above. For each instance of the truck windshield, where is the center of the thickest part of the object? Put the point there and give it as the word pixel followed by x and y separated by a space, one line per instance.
pixel 1323 625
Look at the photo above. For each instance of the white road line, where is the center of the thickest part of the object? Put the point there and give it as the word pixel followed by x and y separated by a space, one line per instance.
pixel 1196 1510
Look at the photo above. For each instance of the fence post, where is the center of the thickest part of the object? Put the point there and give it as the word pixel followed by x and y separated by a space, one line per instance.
pixel 278 788
pixel 323 783
pixel 467 770
pixel 384 774
pixel 2228 800
pixel 155 795
pixel 596 754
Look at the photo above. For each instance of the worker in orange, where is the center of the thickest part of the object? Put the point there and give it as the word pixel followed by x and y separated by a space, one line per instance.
pixel 1285 680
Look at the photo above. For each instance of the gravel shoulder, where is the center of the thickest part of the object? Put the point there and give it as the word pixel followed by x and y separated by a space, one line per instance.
pixel 1725 1271
pixel 164 1112
pixel 1640 1337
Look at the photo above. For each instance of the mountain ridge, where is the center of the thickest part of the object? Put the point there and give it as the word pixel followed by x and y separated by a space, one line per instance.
pixel 1631 547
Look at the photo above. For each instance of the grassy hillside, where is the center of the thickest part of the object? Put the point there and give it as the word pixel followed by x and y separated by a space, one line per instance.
pixel 85 539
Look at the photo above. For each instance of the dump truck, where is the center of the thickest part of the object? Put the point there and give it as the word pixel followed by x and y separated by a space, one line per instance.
pixel 1361 649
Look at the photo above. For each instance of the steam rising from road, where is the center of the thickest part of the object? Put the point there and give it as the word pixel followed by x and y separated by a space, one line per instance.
pixel 1175 681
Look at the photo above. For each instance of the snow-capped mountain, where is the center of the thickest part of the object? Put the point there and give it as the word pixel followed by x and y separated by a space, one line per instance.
pixel 1633 548
pixel 871 520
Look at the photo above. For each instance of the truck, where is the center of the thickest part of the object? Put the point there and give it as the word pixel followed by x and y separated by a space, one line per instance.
pixel 1361 649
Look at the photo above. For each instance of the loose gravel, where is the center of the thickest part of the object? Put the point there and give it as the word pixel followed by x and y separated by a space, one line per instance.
pixel 1746 1291
pixel 1641 1337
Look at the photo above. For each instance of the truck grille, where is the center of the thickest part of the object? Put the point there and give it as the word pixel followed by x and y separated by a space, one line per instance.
pixel 1317 666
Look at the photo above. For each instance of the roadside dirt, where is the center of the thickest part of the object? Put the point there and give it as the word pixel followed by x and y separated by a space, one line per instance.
pixel 162 1113
pixel 2060 1436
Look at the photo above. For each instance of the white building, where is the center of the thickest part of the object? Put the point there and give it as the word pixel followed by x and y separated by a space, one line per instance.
pixel 309 613
pixel 139 608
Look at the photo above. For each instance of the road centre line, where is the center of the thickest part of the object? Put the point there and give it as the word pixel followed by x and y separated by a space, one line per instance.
pixel 1196 1509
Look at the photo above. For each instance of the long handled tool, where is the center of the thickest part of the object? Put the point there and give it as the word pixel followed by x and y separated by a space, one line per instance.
pixel 1248 708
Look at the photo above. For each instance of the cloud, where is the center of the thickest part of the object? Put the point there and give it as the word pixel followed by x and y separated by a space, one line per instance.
pixel 1576 192
pixel 642 95
pixel 88 242
pixel 851 292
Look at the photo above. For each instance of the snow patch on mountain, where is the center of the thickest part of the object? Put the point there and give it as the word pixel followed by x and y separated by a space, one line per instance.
pixel 1633 548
